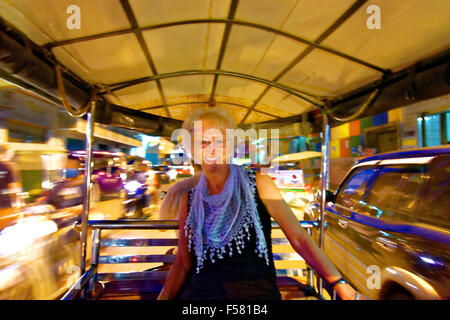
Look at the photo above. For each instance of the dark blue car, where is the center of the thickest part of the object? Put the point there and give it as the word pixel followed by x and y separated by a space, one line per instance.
pixel 388 225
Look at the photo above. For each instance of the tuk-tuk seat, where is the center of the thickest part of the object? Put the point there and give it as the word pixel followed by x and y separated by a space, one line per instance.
pixel 293 282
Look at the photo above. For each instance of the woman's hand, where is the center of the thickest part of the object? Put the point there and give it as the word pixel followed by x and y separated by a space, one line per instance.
pixel 346 292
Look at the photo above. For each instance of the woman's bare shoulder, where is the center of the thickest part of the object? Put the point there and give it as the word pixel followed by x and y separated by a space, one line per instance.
pixel 183 210
pixel 263 179
pixel 185 184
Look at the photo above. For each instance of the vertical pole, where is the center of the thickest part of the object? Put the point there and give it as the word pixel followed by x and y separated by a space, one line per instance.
pixel 323 183
pixel 424 131
pixel 310 272
pixel 87 186
pixel 444 137
pixel 94 258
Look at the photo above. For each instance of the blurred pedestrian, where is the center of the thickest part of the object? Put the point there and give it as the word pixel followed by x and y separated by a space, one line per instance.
pixel 10 181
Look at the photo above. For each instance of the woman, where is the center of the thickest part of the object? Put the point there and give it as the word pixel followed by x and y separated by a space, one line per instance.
pixel 225 251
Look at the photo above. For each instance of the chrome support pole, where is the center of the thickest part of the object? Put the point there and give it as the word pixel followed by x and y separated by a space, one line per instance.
pixel 324 184
pixel 309 270
pixel 87 186
pixel 96 234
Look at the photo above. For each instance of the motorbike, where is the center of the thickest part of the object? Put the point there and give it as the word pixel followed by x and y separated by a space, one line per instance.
pixel 139 197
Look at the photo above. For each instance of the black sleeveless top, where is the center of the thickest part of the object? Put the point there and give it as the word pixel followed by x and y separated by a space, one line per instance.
pixel 242 276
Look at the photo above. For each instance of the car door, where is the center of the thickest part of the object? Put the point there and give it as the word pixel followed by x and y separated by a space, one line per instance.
pixel 392 204
pixel 432 256
pixel 340 241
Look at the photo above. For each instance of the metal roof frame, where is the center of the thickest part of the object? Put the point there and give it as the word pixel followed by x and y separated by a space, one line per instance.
pixel 229 22
pixel 386 75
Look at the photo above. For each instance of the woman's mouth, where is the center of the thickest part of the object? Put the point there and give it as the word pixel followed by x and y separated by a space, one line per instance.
pixel 211 159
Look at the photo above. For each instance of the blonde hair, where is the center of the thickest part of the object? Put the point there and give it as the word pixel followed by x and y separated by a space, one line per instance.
pixel 222 117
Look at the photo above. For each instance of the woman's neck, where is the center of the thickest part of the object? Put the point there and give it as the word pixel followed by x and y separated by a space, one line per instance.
pixel 217 178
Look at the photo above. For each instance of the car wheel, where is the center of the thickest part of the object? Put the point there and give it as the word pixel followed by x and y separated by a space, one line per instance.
pixel 130 211
pixel 139 211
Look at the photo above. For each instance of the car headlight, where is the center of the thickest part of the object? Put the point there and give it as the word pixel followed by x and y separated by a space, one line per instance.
pixel 132 186
pixel 172 174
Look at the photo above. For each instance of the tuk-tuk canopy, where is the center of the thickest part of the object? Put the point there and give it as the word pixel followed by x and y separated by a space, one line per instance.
pixel 263 60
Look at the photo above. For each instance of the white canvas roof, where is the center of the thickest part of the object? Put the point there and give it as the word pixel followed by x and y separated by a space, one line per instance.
pixel 260 59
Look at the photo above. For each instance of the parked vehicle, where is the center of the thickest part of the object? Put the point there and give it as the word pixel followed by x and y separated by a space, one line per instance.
pixel 39 255
pixel 107 175
pixel 391 215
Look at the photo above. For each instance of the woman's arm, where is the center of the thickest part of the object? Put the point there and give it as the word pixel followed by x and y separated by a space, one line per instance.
pixel 183 260
pixel 298 237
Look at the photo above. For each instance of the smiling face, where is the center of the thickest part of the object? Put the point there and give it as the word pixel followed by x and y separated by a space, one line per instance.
pixel 210 143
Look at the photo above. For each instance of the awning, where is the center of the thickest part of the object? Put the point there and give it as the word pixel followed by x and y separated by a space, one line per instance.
pixel 100 134
pixel 262 60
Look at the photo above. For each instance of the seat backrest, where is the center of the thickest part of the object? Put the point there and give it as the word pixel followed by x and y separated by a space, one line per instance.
pixel 291 270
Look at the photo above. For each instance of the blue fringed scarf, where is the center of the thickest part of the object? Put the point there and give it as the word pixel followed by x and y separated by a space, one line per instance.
pixel 216 221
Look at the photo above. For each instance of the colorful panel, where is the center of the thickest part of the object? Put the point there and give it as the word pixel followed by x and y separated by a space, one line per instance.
pixel 395 115
pixel 380 119
pixel 366 123
pixel 355 145
pixel 355 128
pixel 334 133
pixel 345 147
pixel 344 131
pixel 335 149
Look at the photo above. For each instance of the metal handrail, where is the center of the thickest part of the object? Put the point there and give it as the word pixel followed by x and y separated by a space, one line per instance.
pixel 91 274
pixel 80 284
pixel 163 224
